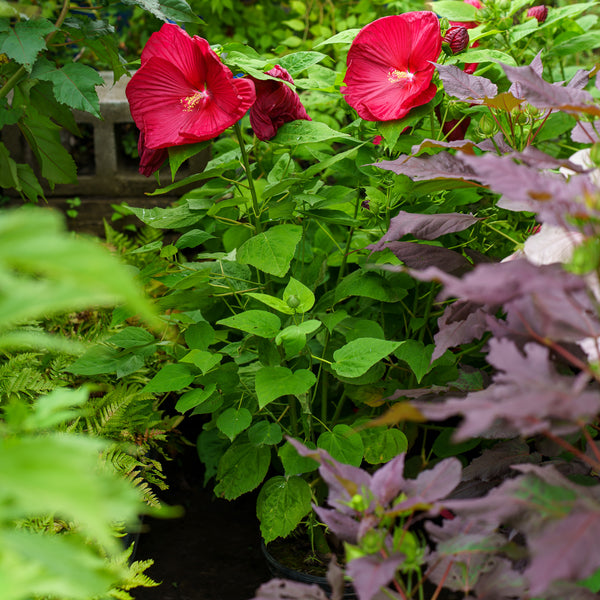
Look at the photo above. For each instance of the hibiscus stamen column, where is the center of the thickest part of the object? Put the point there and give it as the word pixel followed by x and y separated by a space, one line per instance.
pixel 246 165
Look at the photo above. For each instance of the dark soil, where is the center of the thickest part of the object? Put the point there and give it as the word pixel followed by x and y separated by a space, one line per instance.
pixel 212 552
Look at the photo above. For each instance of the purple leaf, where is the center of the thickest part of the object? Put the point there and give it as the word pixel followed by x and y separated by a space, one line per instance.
pixel 431 485
pixel 564 550
pixel 425 227
pixel 344 526
pixel 580 79
pixel 454 330
pixel 335 578
pixel 526 188
pixel 464 145
pixel 541 94
pixel 388 481
pixel 421 256
pixel 284 589
pixel 423 168
pixel 370 573
pixel 496 461
pixel 527 396
pixel 537 67
pixel 586 133
pixel 463 86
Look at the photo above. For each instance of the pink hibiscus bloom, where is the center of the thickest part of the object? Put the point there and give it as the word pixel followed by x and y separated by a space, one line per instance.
pixel 389 65
pixel 183 93
pixel 276 104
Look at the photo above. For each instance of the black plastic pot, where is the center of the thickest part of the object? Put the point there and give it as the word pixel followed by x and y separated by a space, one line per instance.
pixel 278 569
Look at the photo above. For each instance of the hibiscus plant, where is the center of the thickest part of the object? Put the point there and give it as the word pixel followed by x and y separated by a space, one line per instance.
pixel 382 290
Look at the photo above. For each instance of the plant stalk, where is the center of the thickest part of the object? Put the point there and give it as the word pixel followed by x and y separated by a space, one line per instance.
pixel 246 165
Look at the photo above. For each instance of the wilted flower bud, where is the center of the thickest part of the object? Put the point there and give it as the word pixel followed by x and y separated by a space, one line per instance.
pixel 539 12
pixel 457 38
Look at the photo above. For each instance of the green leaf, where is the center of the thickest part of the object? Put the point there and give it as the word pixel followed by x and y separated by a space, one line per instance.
pixel 298 61
pixel 281 504
pixel 167 10
pixel 166 218
pixel 580 43
pixel 131 337
pixel 293 463
pixel 481 56
pixel 343 37
pixel 271 251
pixel 202 359
pixel 306 132
pixel 28 183
pixel 367 284
pixel 170 378
pixel 25 40
pixel 344 444
pixel 194 398
pixel 274 382
pixel 417 356
pixel 193 238
pixel 444 447
pixel 9 177
pixel 358 356
pixel 455 10
pixel 298 296
pixel 273 302
pixel 74 84
pixel 179 154
pixel 44 138
pixel 264 433
pixel 241 469
pixel 255 322
pixel 293 337
pixel 381 445
pixel 233 421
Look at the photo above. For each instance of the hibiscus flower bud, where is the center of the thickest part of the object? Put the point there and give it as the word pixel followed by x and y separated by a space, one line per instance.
pixel 457 39
pixel 539 12
pixel 276 104
pixel 487 126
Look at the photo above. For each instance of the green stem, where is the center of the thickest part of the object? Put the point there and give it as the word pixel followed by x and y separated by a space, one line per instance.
pixel 349 240
pixel 246 165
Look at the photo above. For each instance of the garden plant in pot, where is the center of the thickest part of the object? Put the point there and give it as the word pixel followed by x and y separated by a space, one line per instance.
pixel 297 316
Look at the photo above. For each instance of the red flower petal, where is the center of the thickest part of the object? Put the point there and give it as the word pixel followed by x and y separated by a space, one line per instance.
pixel 183 93
pixel 389 65
pixel 150 160
pixel 276 104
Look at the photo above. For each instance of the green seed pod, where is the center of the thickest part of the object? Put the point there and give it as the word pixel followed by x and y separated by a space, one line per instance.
pixel 293 301
pixel 359 503
pixel 520 117
pixel 487 126
pixel 371 542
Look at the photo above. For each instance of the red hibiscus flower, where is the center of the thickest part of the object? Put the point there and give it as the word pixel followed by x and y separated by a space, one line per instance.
pixel 150 160
pixel 276 104
pixel 389 65
pixel 183 93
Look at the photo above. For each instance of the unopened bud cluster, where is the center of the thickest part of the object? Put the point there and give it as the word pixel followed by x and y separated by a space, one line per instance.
pixel 538 12
pixel 457 38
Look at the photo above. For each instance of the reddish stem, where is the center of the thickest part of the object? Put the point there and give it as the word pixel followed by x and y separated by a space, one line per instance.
pixel 573 450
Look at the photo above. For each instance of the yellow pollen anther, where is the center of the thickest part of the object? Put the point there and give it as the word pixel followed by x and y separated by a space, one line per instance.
pixel 190 102
pixel 394 75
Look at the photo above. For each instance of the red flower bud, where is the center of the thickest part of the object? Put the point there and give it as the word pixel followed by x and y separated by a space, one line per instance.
pixel 539 12
pixel 457 38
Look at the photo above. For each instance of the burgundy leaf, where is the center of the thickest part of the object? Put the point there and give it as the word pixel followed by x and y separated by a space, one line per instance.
pixel 501 582
pixel 526 188
pixel 541 94
pixel 496 461
pixel 335 578
pixel 464 145
pixel 580 79
pixel 425 227
pixel 442 165
pixel 388 481
pixel 422 256
pixel 497 144
pixel 284 589
pixel 527 395
pixel 463 86
pixel 561 590
pixel 538 68
pixel 564 549
pixel 453 330
pixel 431 485
pixel 372 572
pixel 344 526
pixel 586 133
